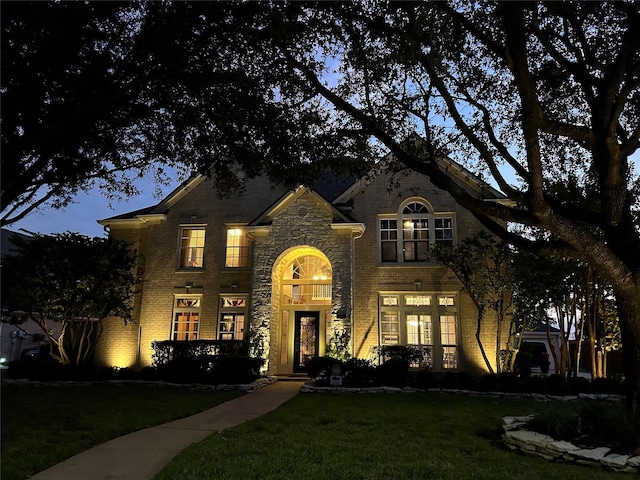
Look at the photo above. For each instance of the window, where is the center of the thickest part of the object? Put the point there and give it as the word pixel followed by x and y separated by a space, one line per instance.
pixel 444 230
pixel 307 280
pixel 388 240
pixel 237 253
pixel 412 231
pixel 448 340
pixel 186 318
pixel 191 247
pixel 389 328
pixel 232 317
pixel 418 319
pixel 418 329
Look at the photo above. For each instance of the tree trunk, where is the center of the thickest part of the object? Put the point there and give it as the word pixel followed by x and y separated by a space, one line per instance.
pixel 480 345
pixel 628 302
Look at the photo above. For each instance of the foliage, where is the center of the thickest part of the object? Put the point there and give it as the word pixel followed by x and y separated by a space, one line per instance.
pixel 205 361
pixel 358 372
pixel 542 98
pixel 412 354
pixel 483 264
pixel 91 415
pixel 164 351
pixel 393 372
pixel 595 423
pixel 339 340
pixel 69 284
pixel 320 367
pixel 98 94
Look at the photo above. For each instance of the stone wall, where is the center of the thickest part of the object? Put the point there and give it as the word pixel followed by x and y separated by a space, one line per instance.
pixel 516 437
pixel 303 226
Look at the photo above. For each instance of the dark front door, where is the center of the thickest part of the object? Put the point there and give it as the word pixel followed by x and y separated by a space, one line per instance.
pixel 305 343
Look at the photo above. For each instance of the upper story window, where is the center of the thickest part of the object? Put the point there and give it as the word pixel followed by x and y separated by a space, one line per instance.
pixel 191 253
pixel 237 251
pixel 407 236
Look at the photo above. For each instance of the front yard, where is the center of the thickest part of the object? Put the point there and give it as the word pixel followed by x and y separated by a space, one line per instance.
pixel 313 436
pixel 42 426
pixel 379 436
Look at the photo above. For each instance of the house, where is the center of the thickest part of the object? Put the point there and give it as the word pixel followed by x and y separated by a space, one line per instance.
pixel 297 269
pixel 25 338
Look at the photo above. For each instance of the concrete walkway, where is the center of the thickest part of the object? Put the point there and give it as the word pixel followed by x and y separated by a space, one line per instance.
pixel 142 454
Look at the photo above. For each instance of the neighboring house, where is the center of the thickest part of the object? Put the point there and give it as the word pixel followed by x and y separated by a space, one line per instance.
pixel 16 339
pixel 296 267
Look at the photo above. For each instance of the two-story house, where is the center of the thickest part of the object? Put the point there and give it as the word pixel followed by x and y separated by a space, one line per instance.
pixel 294 267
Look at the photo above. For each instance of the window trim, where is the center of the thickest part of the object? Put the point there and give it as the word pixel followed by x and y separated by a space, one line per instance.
pixel 177 310
pixel 182 228
pixel 432 232
pixel 235 310
pixel 402 309
pixel 246 247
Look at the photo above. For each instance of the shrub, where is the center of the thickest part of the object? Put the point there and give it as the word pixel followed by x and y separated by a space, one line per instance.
pixel 319 367
pixel 578 385
pixel 235 369
pixel 425 379
pixel 358 372
pixel 449 380
pixel 168 350
pixel 393 373
pixel 537 384
pixel 508 382
pixel 464 381
pixel 412 355
pixel 592 424
pixel 557 385
pixel 488 383
pixel 603 385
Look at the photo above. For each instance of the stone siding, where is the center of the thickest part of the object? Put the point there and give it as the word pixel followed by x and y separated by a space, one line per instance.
pixel 302 224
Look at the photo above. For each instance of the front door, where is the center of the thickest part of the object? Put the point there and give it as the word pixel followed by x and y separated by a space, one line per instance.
pixel 305 343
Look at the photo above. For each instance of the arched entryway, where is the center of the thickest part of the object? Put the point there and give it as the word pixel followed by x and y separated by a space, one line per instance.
pixel 302 298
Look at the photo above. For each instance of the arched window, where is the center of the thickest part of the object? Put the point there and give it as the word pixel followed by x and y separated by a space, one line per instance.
pixel 407 236
pixel 307 280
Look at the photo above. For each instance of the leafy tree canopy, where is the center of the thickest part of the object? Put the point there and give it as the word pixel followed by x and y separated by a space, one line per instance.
pixel 541 97
pixel 68 283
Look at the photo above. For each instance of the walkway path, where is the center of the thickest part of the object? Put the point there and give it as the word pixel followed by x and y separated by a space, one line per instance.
pixel 142 454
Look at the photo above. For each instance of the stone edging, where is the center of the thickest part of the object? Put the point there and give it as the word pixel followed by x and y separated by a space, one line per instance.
pixel 534 443
pixel 309 388
pixel 242 387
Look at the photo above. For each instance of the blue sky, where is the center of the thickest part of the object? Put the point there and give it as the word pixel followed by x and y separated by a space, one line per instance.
pixel 88 208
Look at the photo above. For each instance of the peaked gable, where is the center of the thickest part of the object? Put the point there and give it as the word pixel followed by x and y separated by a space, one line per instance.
pixel 460 174
pixel 288 198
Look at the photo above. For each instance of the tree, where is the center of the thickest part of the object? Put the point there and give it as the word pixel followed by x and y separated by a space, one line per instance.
pixel 484 266
pixel 69 284
pixel 529 94
pixel 106 92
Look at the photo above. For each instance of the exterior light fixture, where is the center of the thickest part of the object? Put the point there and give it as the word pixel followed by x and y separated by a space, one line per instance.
pixel 418 285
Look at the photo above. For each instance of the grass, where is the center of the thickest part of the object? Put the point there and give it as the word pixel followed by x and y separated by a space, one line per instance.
pixel 419 436
pixel 42 426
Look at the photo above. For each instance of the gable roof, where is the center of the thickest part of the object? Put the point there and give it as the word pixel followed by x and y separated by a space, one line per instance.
pixel 331 191
pixel 158 212
pixel 451 167
pixel 285 200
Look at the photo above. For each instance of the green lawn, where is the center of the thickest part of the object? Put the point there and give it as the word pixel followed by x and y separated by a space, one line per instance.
pixel 42 426
pixel 362 436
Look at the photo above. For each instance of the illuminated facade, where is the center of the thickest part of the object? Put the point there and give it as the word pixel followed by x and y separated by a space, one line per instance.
pixel 302 269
